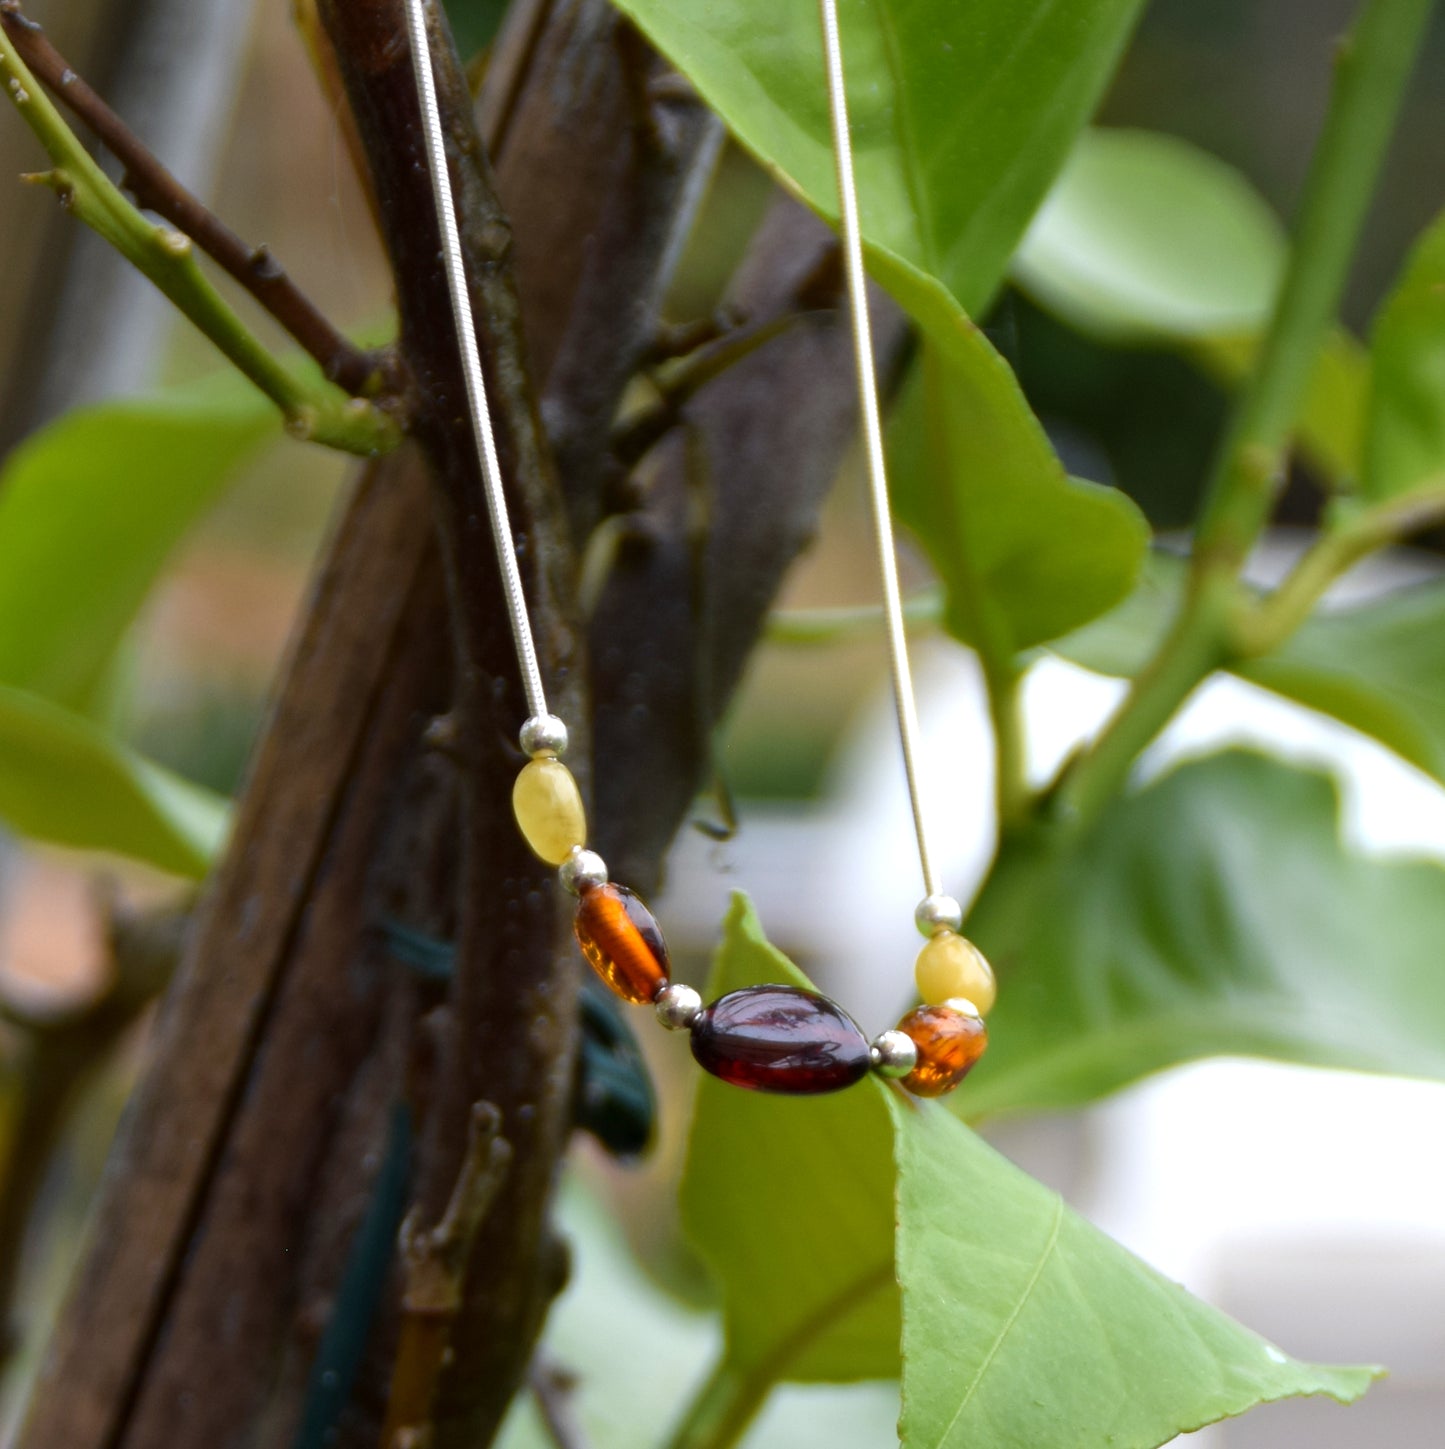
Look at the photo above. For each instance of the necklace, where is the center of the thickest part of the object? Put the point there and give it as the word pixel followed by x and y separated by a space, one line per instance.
pixel 769 1038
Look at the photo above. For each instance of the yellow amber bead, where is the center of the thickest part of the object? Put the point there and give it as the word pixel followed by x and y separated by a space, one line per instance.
pixel 950 965
pixel 548 807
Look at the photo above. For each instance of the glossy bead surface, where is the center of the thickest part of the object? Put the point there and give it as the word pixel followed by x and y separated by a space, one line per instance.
pixel 622 942
pixel 893 1053
pixel 548 807
pixel 582 870
pixel 949 1042
pixel 677 1006
pixel 938 913
pixel 543 734
pixel 951 965
pixel 780 1039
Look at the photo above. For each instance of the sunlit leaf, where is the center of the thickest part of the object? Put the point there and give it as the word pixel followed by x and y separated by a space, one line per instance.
pixel 1215 911
pixel 1025 552
pixel 63 779
pixel 1405 432
pixel 1145 240
pixel 953 148
pixel 1025 1326
pixel 790 1203
pixel 92 506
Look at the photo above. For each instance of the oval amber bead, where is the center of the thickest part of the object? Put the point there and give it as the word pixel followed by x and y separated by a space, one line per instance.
pixel 780 1039
pixel 622 942
pixel 949 1042
pixel 950 965
pixel 548 807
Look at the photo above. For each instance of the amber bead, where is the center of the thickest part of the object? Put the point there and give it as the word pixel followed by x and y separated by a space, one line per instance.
pixel 949 1042
pixel 780 1039
pixel 622 942
pixel 950 965
pixel 548 807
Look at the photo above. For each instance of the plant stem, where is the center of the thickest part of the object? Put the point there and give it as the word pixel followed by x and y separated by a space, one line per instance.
pixel 1268 624
pixel 1012 797
pixel 721 1410
pixel 166 256
pixel 1372 67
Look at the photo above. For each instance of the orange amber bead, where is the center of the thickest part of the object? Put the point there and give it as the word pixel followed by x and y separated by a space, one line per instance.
pixel 949 1042
pixel 622 942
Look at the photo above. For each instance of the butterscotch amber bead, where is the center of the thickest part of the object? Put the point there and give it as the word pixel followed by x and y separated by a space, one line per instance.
pixel 548 807
pixel 949 1042
pixel 622 942
pixel 951 966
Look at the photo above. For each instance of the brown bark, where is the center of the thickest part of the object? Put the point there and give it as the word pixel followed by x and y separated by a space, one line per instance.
pixel 253 1144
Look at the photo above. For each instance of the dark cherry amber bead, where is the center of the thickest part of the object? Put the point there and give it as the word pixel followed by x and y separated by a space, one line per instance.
pixel 949 1042
pixel 622 942
pixel 780 1039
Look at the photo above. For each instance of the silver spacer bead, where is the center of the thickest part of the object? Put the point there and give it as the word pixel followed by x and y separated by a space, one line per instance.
pixel 676 1006
pixel 543 734
pixel 582 870
pixel 938 913
pixel 893 1053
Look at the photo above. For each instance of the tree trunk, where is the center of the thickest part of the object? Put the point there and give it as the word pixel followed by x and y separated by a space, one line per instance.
pixel 293 1050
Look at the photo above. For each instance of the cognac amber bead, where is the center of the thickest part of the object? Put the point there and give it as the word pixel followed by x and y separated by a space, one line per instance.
pixel 622 942
pixel 949 1042
pixel 548 807
pixel 780 1039
pixel 951 966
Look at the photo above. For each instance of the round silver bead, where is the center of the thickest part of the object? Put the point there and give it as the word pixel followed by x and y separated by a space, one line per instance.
pixel 543 734
pixel 582 870
pixel 893 1053
pixel 676 1006
pixel 938 913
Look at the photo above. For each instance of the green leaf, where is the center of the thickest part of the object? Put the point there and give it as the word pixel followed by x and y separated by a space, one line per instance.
pixel 1405 431
pixel 790 1203
pixel 63 779
pixel 1025 552
pixel 1145 238
pixel 1377 667
pixel 1214 912
pixel 961 114
pixel 90 509
pixel 1025 1326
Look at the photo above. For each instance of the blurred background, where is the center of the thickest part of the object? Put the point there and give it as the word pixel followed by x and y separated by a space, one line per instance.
pixel 1230 1176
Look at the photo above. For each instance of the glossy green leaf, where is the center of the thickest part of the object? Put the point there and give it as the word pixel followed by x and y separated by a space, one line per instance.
pixel 1025 1326
pixel 1146 238
pixel 1405 432
pixel 790 1203
pixel 90 509
pixel 1377 667
pixel 1213 912
pixel 62 779
pixel 1025 552
pixel 954 148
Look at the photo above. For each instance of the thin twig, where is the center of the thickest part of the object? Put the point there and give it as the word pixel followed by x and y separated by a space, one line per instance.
pixel 155 189
pixel 436 1263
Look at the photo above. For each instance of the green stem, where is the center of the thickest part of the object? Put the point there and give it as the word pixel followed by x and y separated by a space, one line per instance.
pixel 322 414
pixel 806 627
pixel 1373 65
pixel 1011 788
pixel 720 1411
pixel 1268 624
